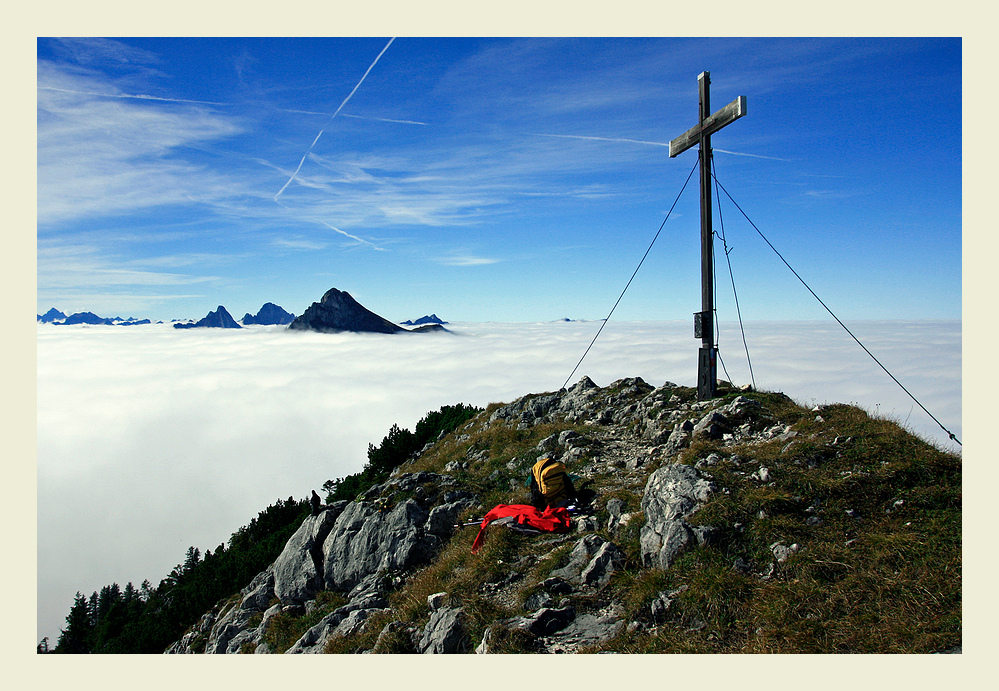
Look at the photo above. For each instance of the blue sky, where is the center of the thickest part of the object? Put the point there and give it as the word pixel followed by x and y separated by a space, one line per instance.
pixel 494 179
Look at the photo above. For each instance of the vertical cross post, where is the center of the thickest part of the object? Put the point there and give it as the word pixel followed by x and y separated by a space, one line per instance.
pixel 708 123
pixel 707 368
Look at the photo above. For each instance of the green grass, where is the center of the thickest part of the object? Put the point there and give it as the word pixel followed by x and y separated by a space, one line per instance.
pixel 284 629
pixel 872 577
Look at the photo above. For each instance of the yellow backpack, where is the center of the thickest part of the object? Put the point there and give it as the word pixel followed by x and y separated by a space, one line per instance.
pixel 549 477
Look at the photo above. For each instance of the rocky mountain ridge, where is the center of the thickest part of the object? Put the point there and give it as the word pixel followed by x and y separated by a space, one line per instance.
pixel 54 316
pixel 337 311
pixel 748 494
pixel 219 319
pixel 427 319
pixel 269 315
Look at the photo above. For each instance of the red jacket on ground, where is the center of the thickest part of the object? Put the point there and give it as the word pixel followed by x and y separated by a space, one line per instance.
pixel 549 519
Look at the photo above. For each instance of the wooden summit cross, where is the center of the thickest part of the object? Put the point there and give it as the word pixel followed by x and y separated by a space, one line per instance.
pixel 707 367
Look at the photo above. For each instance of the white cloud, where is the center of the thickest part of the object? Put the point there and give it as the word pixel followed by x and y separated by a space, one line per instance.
pixel 299 243
pixel 141 97
pixel 99 51
pixel 100 155
pixel 67 266
pixel 467 260
pixel 152 439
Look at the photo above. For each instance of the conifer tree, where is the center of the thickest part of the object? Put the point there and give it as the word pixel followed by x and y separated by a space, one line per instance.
pixel 75 638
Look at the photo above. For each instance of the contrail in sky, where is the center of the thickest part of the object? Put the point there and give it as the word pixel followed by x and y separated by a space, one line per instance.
pixel 603 139
pixel 331 119
pixel 352 237
pixel 142 97
pixel 359 117
pixel 368 117
pixel 737 153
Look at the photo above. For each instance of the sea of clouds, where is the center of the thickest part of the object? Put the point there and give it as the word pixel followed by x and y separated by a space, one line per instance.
pixel 153 439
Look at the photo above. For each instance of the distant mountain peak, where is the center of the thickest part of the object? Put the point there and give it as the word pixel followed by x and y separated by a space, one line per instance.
pixel 430 319
pixel 269 314
pixel 54 316
pixel 85 318
pixel 338 311
pixel 51 316
pixel 220 318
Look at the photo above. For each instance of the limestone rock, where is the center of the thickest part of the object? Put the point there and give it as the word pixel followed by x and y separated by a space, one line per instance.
pixel 579 558
pixel 442 518
pixel 679 438
pixel 298 570
pixel 672 493
pixel 231 630
pixel 608 559
pixel 585 629
pixel 343 621
pixel 445 632
pixel 713 425
pixel 436 601
pixel 364 541
pixel 591 562
pixel 260 592
pixel 544 622
pixel 538 600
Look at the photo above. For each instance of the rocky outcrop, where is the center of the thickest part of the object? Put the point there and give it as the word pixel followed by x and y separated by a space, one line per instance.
pixel 350 541
pixel 219 319
pixel 673 493
pixel 585 630
pixel 543 622
pixel 366 600
pixel 359 547
pixel 338 311
pixel 655 454
pixel 235 627
pixel 348 547
pixel 364 540
pixel 298 571
pixel 445 632
pixel 591 562
pixel 269 314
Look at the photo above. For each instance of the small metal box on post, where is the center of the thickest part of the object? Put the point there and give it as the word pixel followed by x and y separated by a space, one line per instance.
pixel 707 371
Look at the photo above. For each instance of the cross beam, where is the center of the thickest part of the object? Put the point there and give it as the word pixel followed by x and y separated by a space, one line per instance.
pixel 708 123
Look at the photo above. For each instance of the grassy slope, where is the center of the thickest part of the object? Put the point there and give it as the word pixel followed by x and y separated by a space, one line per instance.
pixel 878 567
